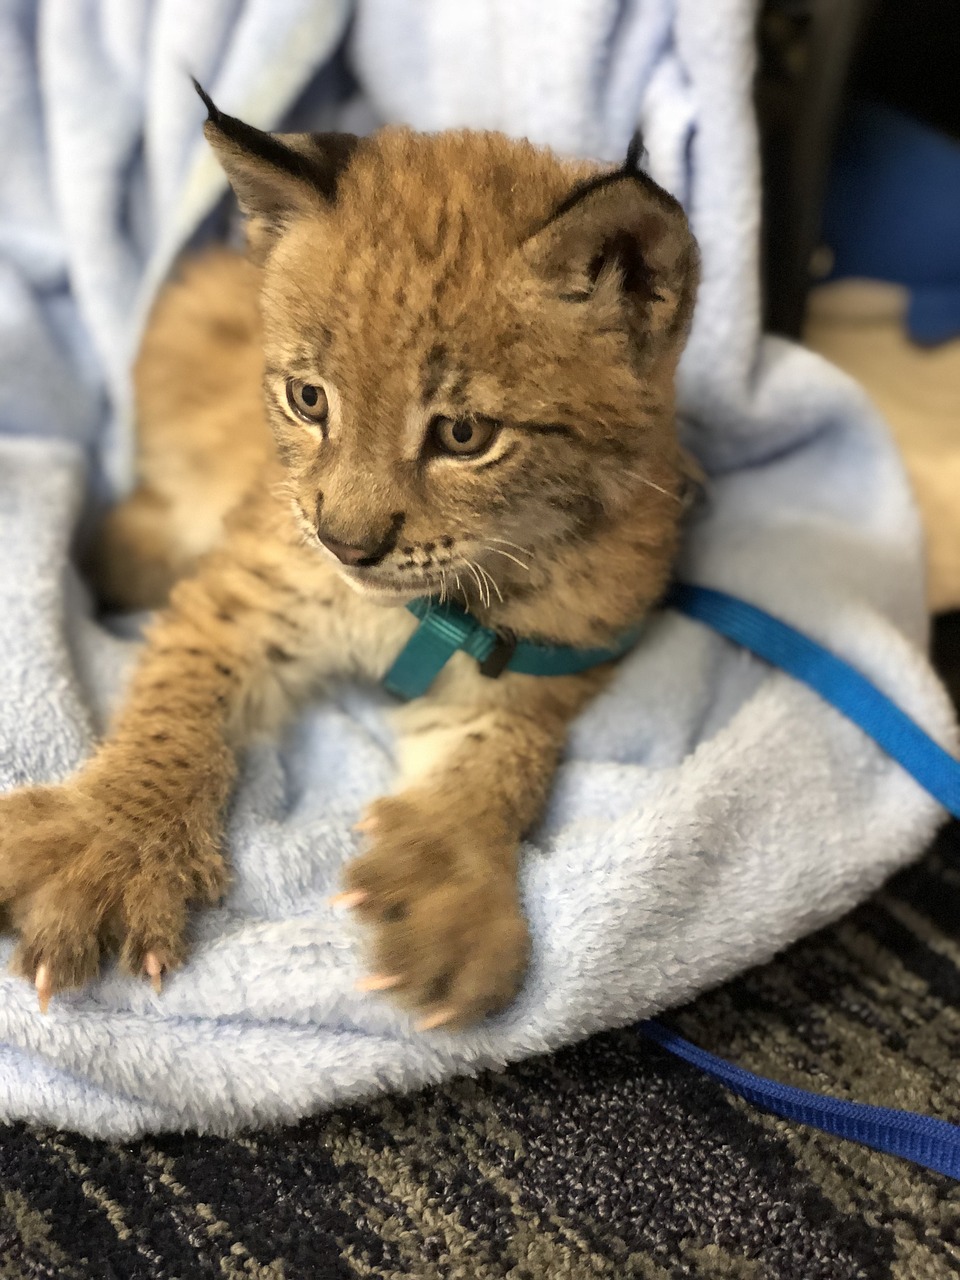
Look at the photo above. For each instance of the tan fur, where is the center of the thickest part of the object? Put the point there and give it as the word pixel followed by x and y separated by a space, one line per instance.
pixel 434 282
pixel 203 442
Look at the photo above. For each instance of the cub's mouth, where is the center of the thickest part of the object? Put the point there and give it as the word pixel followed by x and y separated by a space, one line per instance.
pixel 389 587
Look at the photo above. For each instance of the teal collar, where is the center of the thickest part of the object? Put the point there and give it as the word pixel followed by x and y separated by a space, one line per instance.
pixel 445 628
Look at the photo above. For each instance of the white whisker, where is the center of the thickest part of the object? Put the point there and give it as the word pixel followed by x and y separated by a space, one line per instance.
pixel 493 583
pixel 498 552
pixel 486 585
pixel 469 564
pixel 635 475
pixel 486 581
pixel 524 551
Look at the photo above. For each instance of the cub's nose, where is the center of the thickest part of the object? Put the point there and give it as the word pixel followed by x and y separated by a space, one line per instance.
pixel 351 555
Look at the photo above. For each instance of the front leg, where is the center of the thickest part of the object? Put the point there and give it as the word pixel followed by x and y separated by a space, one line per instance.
pixel 114 857
pixel 439 884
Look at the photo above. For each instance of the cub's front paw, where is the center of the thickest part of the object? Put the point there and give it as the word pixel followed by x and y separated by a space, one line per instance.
pixel 448 938
pixel 81 874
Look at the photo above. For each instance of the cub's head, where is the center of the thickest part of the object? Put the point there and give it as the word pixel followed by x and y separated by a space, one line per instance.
pixel 469 346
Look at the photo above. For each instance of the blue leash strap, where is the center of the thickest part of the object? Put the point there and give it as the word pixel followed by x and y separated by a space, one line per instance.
pixel 933 1143
pixel 835 680
pixel 927 1141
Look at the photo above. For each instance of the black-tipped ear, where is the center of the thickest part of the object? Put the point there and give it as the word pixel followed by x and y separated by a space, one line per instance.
pixel 622 234
pixel 636 151
pixel 276 176
pixel 212 112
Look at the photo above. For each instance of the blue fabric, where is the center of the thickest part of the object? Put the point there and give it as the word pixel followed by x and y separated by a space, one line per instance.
pixel 708 810
pixel 933 1143
pixel 892 210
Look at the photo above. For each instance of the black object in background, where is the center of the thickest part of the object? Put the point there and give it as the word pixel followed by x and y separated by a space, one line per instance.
pixel 814 57
pixel 807 50
pixel 910 59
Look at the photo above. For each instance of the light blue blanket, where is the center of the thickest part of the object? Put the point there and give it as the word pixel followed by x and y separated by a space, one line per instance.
pixel 709 810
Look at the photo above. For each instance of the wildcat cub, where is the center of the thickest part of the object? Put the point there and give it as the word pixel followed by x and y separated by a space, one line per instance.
pixel 464 350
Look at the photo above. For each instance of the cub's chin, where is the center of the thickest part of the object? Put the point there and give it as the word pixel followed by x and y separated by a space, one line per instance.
pixel 387 590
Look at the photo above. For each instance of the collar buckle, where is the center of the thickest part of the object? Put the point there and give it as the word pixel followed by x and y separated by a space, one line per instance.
pixel 498 659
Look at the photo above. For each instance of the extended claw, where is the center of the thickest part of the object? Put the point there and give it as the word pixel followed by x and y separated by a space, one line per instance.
pixel 436 1019
pixel 154 971
pixel 44 987
pixel 347 901
pixel 378 982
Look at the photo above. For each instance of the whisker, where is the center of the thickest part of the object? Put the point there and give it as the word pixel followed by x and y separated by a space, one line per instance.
pixel 497 552
pixel 486 586
pixel 524 551
pixel 486 580
pixel 635 475
pixel 469 565
pixel 493 583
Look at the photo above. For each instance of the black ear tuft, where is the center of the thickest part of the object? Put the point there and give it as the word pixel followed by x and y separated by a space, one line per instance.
pixel 213 112
pixel 268 149
pixel 276 175
pixel 636 152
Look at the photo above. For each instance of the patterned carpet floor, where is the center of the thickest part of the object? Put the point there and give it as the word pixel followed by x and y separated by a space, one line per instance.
pixel 608 1159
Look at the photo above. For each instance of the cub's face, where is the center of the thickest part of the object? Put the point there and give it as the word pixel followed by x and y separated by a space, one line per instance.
pixel 469 346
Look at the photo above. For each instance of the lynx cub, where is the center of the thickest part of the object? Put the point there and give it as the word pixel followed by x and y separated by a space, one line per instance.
pixel 464 350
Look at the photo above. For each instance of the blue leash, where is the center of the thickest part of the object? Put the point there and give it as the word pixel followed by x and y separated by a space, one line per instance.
pixel 923 1139
pixel 933 1143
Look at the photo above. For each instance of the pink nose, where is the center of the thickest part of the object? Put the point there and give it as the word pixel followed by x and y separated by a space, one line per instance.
pixel 347 554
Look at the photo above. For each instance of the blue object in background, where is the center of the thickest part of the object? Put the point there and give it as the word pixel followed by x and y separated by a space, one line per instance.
pixel 892 212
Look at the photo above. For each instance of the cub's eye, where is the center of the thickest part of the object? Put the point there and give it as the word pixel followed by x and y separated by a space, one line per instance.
pixel 463 437
pixel 308 401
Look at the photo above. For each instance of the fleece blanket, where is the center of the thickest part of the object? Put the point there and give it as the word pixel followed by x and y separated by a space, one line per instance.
pixel 708 811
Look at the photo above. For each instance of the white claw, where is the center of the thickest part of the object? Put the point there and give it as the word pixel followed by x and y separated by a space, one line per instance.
pixel 378 982
pixel 347 901
pixel 436 1019
pixel 154 968
pixel 44 987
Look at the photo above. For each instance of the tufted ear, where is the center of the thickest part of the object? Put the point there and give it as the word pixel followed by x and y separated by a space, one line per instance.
pixel 276 176
pixel 622 232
